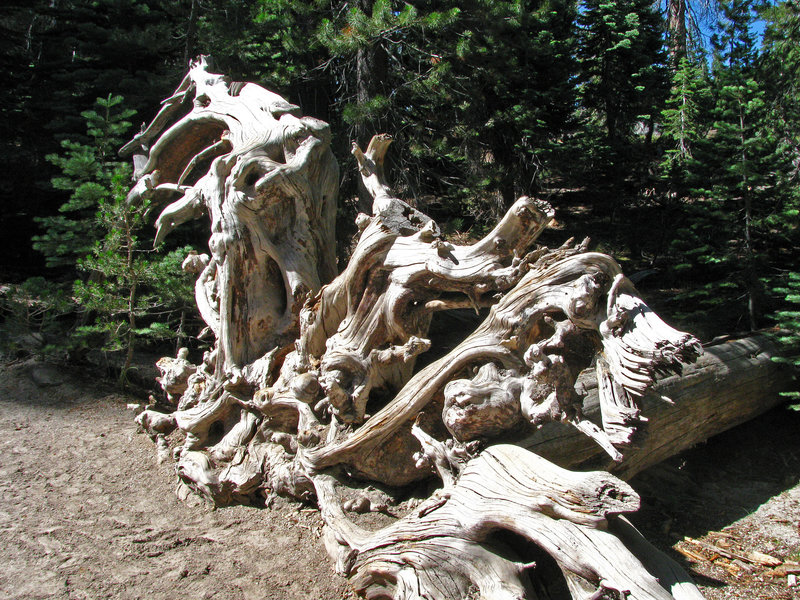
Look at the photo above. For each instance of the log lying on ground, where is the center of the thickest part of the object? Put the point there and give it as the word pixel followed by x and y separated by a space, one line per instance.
pixel 733 382
pixel 310 388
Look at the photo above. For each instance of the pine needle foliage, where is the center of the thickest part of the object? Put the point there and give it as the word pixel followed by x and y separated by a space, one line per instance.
pixel 125 291
pixel 87 172
pixel 780 65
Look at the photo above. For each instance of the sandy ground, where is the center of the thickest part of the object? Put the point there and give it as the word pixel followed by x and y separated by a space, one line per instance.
pixel 86 513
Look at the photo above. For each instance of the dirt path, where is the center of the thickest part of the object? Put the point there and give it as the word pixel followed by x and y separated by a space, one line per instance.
pixel 85 513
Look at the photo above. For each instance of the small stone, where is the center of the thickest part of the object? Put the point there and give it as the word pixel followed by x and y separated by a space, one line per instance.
pixel 46 376
pixel 791 580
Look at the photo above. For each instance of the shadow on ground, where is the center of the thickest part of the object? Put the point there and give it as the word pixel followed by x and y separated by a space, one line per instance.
pixel 723 479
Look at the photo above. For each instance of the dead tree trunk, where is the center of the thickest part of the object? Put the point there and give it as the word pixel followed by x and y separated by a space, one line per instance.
pixel 268 182
pixel 310 390
pixel 734 381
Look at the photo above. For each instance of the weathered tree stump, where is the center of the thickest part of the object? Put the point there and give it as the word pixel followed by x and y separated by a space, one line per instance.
pixel 312 388
pixel 268 181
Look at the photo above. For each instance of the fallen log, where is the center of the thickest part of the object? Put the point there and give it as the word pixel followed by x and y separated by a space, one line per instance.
pixel 313 388
pixel 733 382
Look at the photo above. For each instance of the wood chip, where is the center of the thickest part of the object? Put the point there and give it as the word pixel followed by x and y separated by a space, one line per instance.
pixel 744 566
pixel 690 555
pixel 760 558
pixel 754 557
pixel 787 568
pixel 732 569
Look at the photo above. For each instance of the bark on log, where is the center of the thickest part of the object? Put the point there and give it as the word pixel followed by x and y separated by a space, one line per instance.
pixel 733 382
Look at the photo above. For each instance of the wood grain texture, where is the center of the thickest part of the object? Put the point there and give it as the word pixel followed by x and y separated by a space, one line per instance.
pixel 732 382
pixel 313 388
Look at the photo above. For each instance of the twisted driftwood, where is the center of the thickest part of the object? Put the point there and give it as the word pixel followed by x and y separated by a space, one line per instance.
pixel 268 182
pixel 734 381
pixel 312 390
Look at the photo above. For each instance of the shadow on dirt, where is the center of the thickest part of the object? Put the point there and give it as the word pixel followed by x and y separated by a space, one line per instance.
pixel 714 485
pixel 51 386
pixel 723 479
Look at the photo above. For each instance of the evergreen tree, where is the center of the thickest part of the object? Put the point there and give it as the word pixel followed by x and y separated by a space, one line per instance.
pixel 88 47
pixel 684 122
pixel 686 21
pixel 478 92
pixel 505 88
pixel 57 57
pixel 87 172
pixel 623 82
pixel 267 41
pixel 622 64
pixel 729 240
pixel 126 292
pixel 788 320
pixel 379 56
pixel 780 68
pixel 743 151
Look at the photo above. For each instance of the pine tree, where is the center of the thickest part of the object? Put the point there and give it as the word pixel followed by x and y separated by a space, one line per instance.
pixel 744 152
pixel 622 64
pixel 623 83
pixel 780 65
pixel 686 24
pixel 125 292
pixel 731 227
pixel 129 292
pixel 379 56
pixel 684 122
pixel 86 172
pixel 505 87
pixel 788 321
pixel 478 92
pixel 780 68
pixel 57 57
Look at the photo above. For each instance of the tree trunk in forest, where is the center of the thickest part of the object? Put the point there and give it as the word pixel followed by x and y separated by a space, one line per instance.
pixel 676 25
pixel 313 391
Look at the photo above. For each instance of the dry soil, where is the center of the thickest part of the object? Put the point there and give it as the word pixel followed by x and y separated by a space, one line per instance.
pixel 85 511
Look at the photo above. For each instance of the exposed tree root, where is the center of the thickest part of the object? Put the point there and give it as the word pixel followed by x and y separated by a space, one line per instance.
pixel 311 388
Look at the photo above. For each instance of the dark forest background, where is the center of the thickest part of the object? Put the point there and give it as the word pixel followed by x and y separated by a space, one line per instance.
pixel 668 132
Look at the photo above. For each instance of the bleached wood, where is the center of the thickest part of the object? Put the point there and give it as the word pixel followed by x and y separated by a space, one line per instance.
pixel 446 548
pixel 733 382
pixel 268 182
pixel 312 385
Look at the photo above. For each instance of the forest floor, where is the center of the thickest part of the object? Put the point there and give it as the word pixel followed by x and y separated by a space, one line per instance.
pixel 85 511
